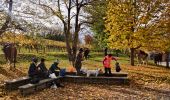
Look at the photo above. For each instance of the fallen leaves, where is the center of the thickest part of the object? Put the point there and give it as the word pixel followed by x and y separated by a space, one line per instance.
pixel 146 83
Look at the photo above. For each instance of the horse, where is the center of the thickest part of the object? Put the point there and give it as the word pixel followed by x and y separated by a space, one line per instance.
pixel 10 53
pixel 142 57
pixel 158 58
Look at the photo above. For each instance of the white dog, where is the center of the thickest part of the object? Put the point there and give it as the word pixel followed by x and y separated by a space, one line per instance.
pixel 84 70
pixel 93 72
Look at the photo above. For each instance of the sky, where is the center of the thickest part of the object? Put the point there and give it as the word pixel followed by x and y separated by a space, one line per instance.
pixel 27 11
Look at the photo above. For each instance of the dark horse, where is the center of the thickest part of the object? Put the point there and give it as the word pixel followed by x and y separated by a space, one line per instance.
pixel 10 52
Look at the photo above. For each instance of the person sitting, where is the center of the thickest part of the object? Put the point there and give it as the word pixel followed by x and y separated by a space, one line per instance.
pixel 107 62
pixel 42 69
pixel 54 67
pixel 33 71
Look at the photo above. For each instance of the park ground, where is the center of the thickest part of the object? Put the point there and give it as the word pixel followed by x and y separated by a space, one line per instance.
pixel 146 82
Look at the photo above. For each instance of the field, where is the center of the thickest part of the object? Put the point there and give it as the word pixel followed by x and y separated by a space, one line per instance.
pixel 147 82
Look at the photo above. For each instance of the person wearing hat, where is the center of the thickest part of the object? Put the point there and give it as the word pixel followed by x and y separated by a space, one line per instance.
pixel 79 59
pixel 33 71
pixel 54 67
pixel 42 69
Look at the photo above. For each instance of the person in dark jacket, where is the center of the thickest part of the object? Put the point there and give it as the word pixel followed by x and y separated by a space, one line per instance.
pixel 86 53
pixel 54 67
pixel 42 69
pixel 78 62
pixel 33 71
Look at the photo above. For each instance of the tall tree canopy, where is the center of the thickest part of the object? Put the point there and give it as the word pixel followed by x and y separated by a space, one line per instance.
pixel 97 12
pixel 131 23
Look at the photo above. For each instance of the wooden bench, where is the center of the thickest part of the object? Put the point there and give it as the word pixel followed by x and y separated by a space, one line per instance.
pixel 96 80
pixel 15 83
pixel 30 88
pixel 114 74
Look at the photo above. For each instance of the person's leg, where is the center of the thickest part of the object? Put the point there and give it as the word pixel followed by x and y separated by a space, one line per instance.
pixel 109 69
pixel 77 65
pixel 78 69
pixel 105 71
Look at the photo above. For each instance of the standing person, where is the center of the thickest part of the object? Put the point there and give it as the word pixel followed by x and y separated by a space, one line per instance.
pixel 43 70
pixel 79 59
pixel 107 62
pixel 54 67
pixel 33 71
pixel 86 53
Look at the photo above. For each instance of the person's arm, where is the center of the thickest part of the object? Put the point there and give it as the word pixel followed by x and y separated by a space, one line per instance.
pixel 113 58
pixel 39 66
pixel 104 60
pixel 58 68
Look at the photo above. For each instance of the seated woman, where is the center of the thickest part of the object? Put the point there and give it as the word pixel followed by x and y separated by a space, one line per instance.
pixel 54 67
pixel 42 69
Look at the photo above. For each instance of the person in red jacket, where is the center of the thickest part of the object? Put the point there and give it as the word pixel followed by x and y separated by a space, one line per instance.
pixel 107 63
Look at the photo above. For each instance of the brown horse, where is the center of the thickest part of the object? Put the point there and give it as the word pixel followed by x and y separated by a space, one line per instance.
pixel 10 52
pixel 142 57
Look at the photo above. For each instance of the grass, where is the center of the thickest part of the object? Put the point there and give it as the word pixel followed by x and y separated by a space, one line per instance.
pixel 144 79
pixel 139 74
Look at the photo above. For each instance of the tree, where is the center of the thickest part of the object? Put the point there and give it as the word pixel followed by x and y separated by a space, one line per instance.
pixel 97 11
pixel 73 9
pixel 164 28
pixel 130 23
pixel 8 22
pixel 88 39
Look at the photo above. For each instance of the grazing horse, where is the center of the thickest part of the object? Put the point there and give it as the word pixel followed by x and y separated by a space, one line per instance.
pixel 10 52
pixel 142 57
pixel 158 58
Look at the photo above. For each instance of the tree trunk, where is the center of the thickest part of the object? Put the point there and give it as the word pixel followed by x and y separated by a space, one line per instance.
pixel 8 19
pixel 117 53
pixel 167 59
pixel 105 51
pixel 77 29
pixel 132 50
pixel 68 47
